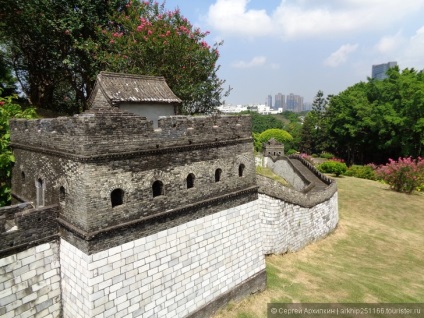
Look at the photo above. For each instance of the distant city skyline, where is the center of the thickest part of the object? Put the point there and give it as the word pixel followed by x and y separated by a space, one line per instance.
pixel 292 102
pixel 303 46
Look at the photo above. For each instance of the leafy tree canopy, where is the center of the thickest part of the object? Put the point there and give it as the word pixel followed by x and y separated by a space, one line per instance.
pixel 146 38
pixel 58 47
pixel 261 122
pixel 376 120
pixel 278 134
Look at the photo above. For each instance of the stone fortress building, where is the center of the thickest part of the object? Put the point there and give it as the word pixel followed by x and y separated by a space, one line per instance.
pixel 120 212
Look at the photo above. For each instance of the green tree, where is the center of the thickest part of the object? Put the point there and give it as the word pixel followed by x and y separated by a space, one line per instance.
pixel 261 122
pixel 376 120
pixel 7 81
pixel 47 43
pixel 315 138
pixel 8 110
pixel 163 42
pixel 57 48
pixel 278 134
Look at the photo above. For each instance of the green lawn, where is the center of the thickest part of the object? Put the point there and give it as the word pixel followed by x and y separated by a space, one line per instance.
pixel 376 254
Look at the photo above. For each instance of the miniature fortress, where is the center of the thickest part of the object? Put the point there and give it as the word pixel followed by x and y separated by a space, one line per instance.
pixel 116 216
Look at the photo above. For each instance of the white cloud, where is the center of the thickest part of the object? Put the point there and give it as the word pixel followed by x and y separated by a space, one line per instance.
pixel 231 17
pixel 414 51
pixel 255 62
pixel 389 44
pixel 340 56
pixel 306 18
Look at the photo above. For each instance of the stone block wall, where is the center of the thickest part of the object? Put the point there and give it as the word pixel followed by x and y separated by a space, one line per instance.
pixel 288 227
pixel 30 283
pixel 187 270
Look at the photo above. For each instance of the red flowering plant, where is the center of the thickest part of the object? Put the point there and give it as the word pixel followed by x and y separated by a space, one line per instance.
pixel 307 158
pixel 145 38
pixel 403 175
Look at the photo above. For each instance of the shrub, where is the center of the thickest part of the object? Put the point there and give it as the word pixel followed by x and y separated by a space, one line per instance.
pixel 335 167
pixel 327 155
pixel 291 152
pixel 404 175
pixel 363 172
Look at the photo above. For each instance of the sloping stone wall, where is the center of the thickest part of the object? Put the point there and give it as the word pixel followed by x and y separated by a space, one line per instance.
pixel 288 227
pixel 293 218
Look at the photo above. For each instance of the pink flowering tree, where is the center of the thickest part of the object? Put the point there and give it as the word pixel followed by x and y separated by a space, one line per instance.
pixel 145 38
pixel 403 175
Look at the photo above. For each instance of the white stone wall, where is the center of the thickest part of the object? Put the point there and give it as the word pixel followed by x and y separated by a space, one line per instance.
pixel 287 227
pixel 30 283
pixel 169 274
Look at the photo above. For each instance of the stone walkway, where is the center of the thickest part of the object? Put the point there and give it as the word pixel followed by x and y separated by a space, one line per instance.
pixel 319 184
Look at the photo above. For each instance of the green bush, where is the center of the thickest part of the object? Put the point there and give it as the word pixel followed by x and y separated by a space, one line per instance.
pixel 335 167
pixel 327 155
pixel 363 172
pixel 291 152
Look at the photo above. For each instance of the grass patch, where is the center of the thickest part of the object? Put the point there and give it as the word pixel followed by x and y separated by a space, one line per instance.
pixel 266 172
pixel 375 255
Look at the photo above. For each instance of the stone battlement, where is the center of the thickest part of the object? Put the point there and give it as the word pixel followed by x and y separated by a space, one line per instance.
pixel 22 226
pixel 114 131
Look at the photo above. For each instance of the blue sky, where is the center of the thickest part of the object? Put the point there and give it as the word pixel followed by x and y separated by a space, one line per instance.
pixel 302 46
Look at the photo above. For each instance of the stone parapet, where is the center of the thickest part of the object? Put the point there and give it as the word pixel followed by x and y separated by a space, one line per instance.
pixel 28 227
pixel 113 131
pixel 277 190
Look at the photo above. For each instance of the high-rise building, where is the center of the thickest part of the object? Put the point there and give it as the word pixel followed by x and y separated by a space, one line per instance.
pixel 379 70
pixel 294 103
pixel 280 101
pixel 269 101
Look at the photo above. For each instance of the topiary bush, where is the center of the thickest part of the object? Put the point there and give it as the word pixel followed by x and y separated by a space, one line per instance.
pixel 363 172
pixel 335 167
pixel 278 134
pixel 403 175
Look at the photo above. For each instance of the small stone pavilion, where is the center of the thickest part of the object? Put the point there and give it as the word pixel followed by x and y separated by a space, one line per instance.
pixel 147 96
pixel 273 148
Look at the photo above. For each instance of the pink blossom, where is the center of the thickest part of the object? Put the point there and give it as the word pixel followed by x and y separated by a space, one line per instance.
pixel 149 32
pixel 112 41
pixel 139 28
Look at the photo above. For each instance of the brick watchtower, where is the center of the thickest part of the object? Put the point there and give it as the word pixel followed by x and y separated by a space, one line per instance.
pixel 155 215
